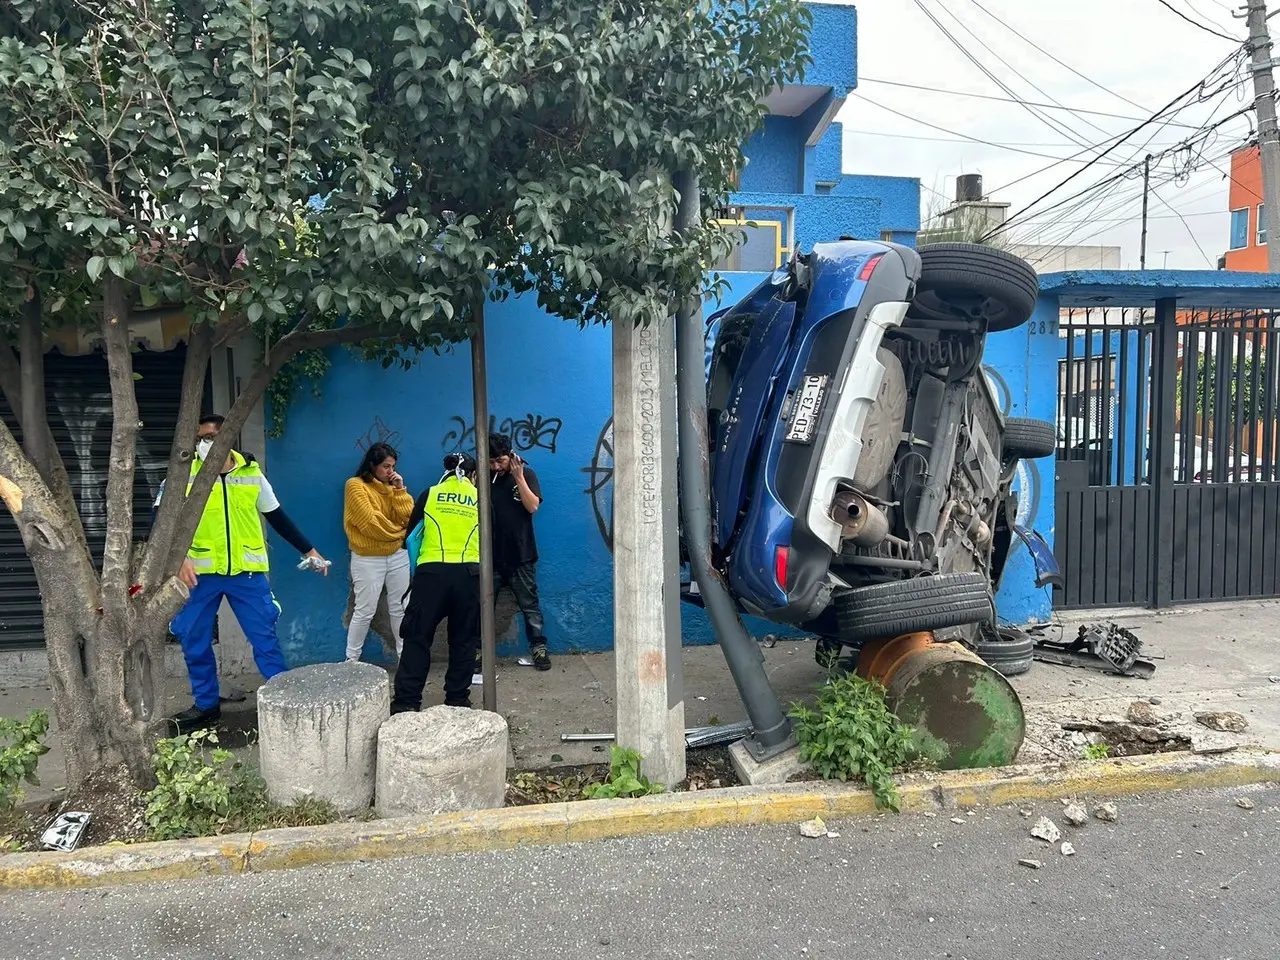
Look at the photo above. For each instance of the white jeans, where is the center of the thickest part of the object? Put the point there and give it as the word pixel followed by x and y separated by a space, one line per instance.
pixel 369 575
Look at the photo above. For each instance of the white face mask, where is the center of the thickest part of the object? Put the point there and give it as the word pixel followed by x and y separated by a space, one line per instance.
pixel 202 449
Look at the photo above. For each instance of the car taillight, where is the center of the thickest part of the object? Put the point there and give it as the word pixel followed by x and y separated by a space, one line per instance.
pixel 780 558
pixel 869 266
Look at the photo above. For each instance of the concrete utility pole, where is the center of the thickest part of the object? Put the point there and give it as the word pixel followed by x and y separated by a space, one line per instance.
pixel 1264 105
pixel 646 576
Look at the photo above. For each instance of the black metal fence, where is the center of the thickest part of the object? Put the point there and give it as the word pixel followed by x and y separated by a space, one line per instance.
pixel 1167 465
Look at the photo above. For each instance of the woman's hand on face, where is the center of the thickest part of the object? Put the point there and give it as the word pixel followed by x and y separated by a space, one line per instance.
pixel 396 481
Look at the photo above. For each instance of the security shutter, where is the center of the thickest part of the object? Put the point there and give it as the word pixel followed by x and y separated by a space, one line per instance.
pixel 79 407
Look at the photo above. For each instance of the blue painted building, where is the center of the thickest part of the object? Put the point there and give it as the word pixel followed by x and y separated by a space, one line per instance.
pixel 549 382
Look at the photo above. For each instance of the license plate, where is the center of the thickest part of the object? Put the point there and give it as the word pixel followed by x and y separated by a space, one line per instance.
pixel 804 419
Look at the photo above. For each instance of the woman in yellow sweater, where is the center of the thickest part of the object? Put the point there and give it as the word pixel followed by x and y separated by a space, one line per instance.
pixel 375 512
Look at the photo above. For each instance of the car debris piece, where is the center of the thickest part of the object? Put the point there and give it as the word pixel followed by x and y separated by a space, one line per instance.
pixel 1226 721
pixel 65 832
pixel 958 820
pixel 1107 647
pixel 813 829
pixel 694 737
pixel 1244 803
pixel 1067 849
pixel 1046 830
pixel 1028 862
pixel 1106 812
pixel 1075 814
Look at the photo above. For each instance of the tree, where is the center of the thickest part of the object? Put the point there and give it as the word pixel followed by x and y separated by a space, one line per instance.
pixel 320 172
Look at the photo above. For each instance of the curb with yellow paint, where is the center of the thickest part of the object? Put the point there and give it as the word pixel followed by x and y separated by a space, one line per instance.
pixel 601 819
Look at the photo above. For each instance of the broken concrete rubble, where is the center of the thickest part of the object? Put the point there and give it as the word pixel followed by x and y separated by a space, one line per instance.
pixel 1075 814
pixel 1046 830
pixel 1226 721
pixel 1067 849
pixel 813 829
pixel 1106 812
pixel 1141 713
pixel 1244 803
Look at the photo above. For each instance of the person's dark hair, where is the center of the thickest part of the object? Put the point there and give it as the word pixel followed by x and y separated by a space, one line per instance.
pixel 374 456
pixel 499 445
pixel 216 419
pixel 453 460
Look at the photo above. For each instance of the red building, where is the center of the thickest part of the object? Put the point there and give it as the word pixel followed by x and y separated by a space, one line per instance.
pixel 1247 248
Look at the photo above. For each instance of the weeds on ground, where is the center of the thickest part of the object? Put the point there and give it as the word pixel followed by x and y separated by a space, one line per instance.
pixel 202 790
pixel 21 747
pixel 1097 751
pixel 852 734
pixel 625 779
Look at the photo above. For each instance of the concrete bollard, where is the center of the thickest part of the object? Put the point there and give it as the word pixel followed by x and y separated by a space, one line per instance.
pixel 318 732
pixel 440 760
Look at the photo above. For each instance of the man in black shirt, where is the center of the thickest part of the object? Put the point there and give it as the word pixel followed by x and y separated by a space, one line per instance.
pixel 516 498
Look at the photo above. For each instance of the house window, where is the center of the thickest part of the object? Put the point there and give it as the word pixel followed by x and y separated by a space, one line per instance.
pixel 1239 229
pixel 1262 225
pixel 761 249
pixel 886 236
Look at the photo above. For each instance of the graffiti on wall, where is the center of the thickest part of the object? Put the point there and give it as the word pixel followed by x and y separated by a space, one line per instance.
pixel 531 432
pixel 600 483
pixel 378 433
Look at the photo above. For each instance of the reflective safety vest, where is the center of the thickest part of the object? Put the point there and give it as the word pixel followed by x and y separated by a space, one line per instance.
pixel 230 539
pixel 450 527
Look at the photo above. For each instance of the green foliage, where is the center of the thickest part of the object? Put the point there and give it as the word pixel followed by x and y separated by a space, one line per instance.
pixel 308 367
pixel 852 734
pixel 1097 751
pixel 202 790
pixel 21 747
pixel 624 780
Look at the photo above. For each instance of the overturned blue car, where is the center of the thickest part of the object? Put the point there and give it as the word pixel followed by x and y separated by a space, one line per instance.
pixel 861 468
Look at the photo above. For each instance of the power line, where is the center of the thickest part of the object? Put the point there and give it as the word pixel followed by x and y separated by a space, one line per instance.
pixel 993 97
pixel 1195 23
pixel 1186 226
pixel 1027 40
pixel 964 138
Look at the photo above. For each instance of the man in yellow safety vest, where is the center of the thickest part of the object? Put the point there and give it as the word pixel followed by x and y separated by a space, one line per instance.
pixel 444 546
pixel 228 558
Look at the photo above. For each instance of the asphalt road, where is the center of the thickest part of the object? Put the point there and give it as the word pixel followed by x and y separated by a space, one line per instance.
pixel 1180 876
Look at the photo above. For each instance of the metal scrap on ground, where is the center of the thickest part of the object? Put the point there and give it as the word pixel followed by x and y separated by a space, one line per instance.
pixel 1107 647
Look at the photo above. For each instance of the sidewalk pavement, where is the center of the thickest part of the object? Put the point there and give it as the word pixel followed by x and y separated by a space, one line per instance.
pixel 1217 657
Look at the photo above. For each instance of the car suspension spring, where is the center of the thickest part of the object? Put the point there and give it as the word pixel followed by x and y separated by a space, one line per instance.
pixel 936 354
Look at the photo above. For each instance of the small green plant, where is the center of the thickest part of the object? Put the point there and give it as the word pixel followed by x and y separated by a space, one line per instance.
pixel 201 789
pixel 624 778
pixel 21 747
pixel 1097 751
pixel 852 734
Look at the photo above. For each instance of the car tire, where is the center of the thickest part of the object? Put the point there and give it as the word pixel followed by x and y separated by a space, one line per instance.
pixel 910 606
pixel 1029 439
pixel 1010 652
pixel 1005 285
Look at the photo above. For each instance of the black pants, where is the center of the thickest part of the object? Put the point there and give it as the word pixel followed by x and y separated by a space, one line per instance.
pixel 522 581
pixel 439 590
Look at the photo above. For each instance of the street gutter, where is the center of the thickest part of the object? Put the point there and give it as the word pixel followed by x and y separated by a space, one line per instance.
pixel 547 824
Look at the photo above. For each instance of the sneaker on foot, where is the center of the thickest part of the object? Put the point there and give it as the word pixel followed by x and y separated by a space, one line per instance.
pixel 541 659
pixel 194 719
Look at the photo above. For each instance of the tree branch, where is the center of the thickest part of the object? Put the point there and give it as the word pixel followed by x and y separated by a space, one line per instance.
pixel 199 349
pixel 117 554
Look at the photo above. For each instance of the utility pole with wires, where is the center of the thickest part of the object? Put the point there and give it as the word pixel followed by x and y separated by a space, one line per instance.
pixel 1146 189
pixel 1264 104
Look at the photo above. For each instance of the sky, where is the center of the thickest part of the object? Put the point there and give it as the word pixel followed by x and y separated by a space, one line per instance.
pixel 1144 56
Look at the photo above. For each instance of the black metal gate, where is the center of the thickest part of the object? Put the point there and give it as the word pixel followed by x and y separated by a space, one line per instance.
pixel 1195 393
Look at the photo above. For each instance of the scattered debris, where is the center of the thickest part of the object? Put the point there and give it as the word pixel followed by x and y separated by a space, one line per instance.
pixel 1244 803
pixel 1025 812
pixel 1107 646
pixel 1155 701
pixel 1075 814
pixel 65 832
pixel 591 685
pixel 1067 849
pixel 1210 744
pixel 1141 713
pixel 1106 812
pixel 1028 862
pixel 1274 679
pixel 957 820
pixel 1227 721
pixel 813 829
pixel 929 813
pixel 937 845
pixel 1124 738
pixel 1046 830
pixel 525 662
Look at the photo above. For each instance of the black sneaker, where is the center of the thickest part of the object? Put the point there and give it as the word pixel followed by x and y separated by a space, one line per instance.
pixel 194 719
pixel 541 659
